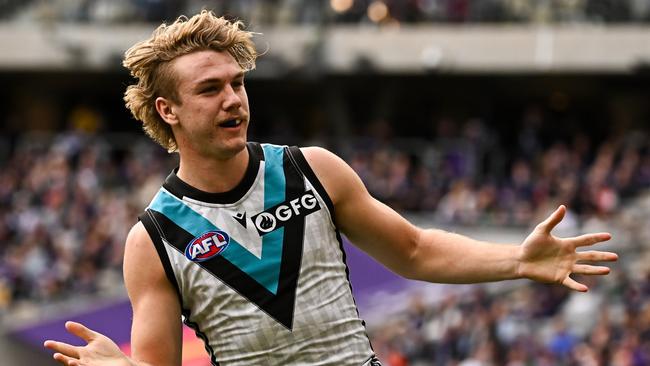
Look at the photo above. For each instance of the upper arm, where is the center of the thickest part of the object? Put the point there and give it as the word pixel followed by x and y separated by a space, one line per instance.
pixel 369 224
pixel 156 331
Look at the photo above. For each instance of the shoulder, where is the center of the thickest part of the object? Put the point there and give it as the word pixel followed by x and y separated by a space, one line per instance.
pixel 138 237
pixel 337 177
pixel 139 251
pixel 319 157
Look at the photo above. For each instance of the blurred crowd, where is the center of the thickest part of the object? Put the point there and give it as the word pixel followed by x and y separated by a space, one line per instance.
pixel 285 12
pixel 517 324
pixel 67 201
pixel 465 174
pixel 533 325
pixel 66 205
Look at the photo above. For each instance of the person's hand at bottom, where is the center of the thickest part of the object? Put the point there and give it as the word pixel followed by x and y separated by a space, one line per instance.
pixel 99 350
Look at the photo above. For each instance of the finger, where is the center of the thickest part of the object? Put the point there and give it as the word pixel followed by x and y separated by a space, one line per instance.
pixel 63 348
pixel 589 239
pixel 585 269
pixel 554 219
pixel 574 285
pixel 597 256
pixel 68 361
pixel 80 331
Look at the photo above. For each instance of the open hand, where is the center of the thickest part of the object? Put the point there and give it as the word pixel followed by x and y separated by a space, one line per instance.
pixel 99 351
pixel 546 258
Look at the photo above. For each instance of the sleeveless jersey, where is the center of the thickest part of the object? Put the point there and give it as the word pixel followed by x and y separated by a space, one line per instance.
pixel 260 270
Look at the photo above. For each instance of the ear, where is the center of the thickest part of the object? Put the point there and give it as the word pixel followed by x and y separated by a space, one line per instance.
pixel 165 108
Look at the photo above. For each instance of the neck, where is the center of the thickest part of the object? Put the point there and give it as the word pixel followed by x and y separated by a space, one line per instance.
pixel 214 175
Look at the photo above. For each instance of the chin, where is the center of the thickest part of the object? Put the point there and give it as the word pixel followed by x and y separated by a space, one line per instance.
pixel 231 148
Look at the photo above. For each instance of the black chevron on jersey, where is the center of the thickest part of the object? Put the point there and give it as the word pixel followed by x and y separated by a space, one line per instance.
pixel 280 305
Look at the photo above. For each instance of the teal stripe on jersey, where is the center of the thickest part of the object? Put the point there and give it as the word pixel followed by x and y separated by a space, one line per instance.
pixel 265 270
pixel 274 180
pixel 274 193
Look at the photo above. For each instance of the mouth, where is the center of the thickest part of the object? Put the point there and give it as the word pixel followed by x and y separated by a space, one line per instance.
pixel 231 123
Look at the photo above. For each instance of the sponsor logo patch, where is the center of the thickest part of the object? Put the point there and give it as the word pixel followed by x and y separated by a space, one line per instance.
pixel 207 245
pixel 276 216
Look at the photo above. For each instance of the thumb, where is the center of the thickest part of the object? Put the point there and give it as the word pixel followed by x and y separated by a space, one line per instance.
pixel 80 331
pixel 552 221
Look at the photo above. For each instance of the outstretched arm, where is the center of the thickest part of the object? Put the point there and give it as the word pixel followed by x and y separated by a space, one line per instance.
pixel 156 329
pixel 439 256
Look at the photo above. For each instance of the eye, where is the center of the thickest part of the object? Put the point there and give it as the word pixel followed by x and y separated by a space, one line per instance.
pixel 238 83
pixel 209 89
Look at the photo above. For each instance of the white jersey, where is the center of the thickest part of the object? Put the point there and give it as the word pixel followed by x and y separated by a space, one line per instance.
pixel 260 270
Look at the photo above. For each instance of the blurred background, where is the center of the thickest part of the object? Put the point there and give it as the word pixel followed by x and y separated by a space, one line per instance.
pixel 473 116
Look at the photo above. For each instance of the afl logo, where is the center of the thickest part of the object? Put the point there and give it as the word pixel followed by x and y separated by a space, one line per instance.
pixel 206 246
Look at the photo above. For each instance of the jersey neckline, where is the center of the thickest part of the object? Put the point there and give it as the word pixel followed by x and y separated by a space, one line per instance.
pixel 181 189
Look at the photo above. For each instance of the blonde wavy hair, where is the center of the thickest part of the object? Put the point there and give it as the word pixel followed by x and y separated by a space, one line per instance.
pixel 149 62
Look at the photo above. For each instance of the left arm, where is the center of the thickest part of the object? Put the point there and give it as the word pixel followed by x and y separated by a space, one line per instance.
pixel 439 256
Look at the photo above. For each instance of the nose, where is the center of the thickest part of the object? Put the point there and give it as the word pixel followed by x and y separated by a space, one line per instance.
pixel 231 100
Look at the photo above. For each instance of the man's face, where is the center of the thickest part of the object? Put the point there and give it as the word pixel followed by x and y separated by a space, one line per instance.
pixel 213 112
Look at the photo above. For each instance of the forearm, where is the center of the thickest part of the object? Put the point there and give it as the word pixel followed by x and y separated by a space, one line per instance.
pixel 444 257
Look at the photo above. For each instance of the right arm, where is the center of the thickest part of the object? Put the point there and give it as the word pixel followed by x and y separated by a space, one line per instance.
pixel 443 257
pixel 156 333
